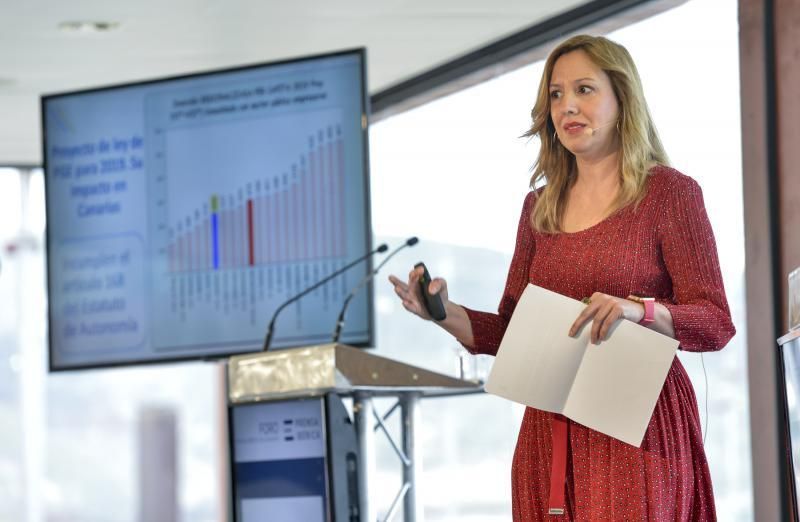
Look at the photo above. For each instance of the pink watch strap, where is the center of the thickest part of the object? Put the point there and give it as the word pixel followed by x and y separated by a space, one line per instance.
pixel 649 310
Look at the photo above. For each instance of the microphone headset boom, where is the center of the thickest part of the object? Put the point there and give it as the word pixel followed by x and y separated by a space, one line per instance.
pixel 592 131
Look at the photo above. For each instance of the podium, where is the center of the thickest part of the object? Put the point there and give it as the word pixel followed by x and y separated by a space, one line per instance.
pixel 327 372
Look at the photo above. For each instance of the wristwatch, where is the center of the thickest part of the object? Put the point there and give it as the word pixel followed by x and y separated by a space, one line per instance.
pixel 649 304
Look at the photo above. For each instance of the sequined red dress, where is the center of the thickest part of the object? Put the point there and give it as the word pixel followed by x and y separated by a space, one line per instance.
pixel 663 248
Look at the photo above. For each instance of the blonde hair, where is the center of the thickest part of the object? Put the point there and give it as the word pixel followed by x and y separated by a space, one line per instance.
pixel 641 146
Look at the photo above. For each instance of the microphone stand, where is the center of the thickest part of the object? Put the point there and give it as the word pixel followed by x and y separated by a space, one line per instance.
pixel 340 320
pixel 271 328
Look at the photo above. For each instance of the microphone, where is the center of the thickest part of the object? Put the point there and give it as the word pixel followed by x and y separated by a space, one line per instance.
pixel 592 131
pixel 340 320
pixel 270 329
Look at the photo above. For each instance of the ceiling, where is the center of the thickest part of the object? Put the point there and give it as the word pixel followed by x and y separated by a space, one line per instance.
pixel 162 38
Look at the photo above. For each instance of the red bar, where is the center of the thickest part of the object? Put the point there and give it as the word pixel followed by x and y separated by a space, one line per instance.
pixel 207 226
pixel 245 252
pixel 286 223
pixel 230 262
pixel 237 234
pixel 274 237
pixel 198 232
pixel 189 250
pixel 244 243
pixel 332 201
pixel 180 252
pixel 232 228
pixel 232 237
pixel 266 222
pixel 304 192
pixel 340 149
pixel 296 238
pixel 262 240
pixel 223 238
pixel 322 227
pixel 314 183
pixel 250 231
pixel 278 223
pixel 171 250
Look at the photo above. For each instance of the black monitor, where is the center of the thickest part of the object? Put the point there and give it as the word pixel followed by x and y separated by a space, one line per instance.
pixel 293 460
pixel 182 212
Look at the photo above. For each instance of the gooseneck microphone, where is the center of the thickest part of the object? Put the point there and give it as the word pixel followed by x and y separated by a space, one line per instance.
pixel 270 329
pixel 340 320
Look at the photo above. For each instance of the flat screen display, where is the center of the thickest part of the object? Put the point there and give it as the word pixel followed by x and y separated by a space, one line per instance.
pixel 182 212
pixel 279 462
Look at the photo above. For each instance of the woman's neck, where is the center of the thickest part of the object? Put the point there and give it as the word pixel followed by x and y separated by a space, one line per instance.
pixel 599 176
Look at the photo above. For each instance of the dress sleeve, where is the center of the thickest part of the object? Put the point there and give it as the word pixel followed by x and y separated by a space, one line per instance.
pixel 488 328
pixel 698 305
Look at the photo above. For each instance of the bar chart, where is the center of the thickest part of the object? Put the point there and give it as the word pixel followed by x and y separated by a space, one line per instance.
pixel 235 239
pixel 294 217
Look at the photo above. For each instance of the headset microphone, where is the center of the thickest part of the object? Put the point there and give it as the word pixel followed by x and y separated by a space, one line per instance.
pixel 592 131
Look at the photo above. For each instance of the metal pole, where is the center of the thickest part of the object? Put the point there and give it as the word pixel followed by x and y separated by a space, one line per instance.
pixel 363 418
pixel 396 502
pixel 412 509
pixel 224 444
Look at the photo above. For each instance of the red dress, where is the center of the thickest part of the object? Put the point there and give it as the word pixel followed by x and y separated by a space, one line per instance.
pixel 663 248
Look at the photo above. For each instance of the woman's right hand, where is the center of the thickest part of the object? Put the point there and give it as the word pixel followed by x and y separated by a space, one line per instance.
pixel 411 295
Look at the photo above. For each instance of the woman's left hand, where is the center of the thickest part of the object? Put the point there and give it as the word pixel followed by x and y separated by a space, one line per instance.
pixel 604 311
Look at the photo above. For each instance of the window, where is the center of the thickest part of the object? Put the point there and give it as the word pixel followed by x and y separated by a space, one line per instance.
pixel 460 157
pixel 69 442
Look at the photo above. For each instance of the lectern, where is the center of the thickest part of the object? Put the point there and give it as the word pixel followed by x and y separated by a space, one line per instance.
pixel 296 452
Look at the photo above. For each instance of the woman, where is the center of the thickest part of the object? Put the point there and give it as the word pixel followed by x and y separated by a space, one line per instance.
pixel 614 223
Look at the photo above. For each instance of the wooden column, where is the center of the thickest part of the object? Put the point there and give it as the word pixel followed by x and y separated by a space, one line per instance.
pixel 769 61
pixel 787 72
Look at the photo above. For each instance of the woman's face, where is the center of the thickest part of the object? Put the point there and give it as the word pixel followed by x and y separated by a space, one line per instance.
pixel 583 107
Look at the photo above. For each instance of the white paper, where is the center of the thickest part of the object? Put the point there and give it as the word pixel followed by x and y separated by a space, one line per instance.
pixel 611 387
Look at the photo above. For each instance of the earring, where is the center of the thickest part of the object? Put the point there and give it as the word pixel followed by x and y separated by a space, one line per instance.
pixel 555 137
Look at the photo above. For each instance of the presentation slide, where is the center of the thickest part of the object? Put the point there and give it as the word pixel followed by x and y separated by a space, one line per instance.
pixel 183 212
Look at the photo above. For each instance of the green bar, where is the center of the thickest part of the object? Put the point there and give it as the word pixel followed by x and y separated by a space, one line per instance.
pixel 214 203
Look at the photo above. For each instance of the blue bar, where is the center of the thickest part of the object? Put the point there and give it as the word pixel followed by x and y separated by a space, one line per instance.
pixel 215 239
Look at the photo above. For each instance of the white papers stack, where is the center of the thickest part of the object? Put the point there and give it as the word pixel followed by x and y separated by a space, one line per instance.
pixel 611 387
